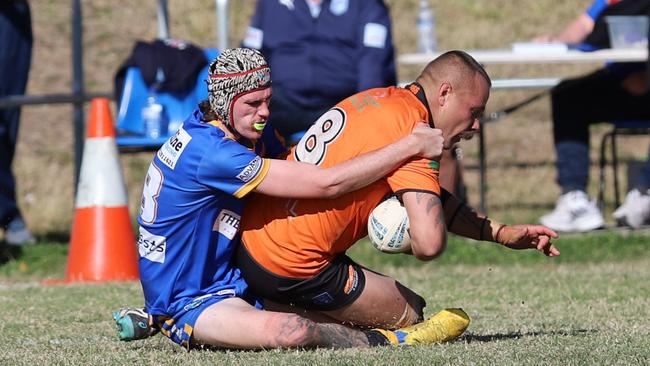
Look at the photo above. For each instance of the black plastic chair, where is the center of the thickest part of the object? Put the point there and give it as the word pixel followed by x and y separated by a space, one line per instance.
pixel 619 128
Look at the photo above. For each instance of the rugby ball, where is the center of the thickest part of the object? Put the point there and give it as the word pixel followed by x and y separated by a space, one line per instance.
pixel 388 227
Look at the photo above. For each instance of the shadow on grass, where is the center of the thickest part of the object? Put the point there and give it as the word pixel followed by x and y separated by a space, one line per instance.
pixel 469 338
pixel 55 237
pixel 9 252
pixel 45 259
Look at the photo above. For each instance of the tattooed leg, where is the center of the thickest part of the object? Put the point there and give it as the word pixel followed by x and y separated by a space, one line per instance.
pixel 337 336
pixel 233 323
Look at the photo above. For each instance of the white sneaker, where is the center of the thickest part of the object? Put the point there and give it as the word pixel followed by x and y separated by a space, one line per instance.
pixel 574 212
pixel 17 233
pixel 635 210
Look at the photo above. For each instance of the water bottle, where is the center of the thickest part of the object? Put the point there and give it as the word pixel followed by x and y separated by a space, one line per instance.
pixel 153 117
pixel 153 113
pixel 426 25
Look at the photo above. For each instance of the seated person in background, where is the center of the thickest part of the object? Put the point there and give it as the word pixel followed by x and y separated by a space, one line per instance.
pixel 191 210
pixel 322 52
pixel 616 92
pixel 294 250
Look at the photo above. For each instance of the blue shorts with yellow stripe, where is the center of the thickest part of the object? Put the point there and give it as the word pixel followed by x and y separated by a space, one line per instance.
pixel 180 326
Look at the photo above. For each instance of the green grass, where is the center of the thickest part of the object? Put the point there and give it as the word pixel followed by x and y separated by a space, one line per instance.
pixel 590 306
pixel 591 248
pixel 47 259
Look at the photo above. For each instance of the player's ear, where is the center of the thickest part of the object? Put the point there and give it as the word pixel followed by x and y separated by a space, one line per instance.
pixel 443 92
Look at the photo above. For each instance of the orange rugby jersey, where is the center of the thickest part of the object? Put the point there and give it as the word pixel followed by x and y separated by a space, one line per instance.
pixel 299 237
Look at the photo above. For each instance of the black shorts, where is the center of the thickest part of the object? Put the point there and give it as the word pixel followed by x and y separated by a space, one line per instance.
pixel 336 286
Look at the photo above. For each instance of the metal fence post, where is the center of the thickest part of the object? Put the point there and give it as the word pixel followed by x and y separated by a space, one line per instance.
pixel 163 20
pixel 222 24
pixel 77 86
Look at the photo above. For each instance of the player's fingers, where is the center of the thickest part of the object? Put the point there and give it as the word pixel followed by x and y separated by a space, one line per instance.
pixel 543 230
pixel 543 243
pixel 420 126
pixel 549 249
pixel 552 251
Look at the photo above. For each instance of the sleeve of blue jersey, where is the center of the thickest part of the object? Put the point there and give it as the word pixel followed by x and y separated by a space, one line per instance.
pixel 228 167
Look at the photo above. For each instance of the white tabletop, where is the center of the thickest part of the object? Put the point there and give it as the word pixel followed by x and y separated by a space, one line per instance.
pixel 508 56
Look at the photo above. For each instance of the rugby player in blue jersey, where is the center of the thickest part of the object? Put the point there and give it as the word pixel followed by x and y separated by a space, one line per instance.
pixel 191 208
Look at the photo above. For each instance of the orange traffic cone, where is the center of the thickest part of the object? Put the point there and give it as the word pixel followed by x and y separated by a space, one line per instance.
pixel 102 245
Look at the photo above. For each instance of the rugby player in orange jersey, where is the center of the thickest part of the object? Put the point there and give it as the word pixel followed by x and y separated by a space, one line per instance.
pixel 293 250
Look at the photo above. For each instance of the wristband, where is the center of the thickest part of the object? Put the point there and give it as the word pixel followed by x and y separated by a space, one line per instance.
pixel 434 165
pixel 496 236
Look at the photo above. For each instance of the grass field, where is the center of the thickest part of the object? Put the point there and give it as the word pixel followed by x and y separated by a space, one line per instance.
pixel 589 306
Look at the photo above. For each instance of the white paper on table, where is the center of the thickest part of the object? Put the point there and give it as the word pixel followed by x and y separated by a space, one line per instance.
pixel 536 47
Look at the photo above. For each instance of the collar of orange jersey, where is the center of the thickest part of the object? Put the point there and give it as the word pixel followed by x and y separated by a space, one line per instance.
pixel 418 91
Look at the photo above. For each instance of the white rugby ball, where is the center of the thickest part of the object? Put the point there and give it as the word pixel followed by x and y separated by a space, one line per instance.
pixel 388 227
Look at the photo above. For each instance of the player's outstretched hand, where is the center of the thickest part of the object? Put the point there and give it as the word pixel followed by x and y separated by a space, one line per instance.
pixel 528 237
pixel 429 140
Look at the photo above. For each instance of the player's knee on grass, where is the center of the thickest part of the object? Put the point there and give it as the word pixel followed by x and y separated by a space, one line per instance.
pixel 413 309
pixel 409 317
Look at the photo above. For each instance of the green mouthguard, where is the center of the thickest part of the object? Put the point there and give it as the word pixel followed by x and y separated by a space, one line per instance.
pixel 259 125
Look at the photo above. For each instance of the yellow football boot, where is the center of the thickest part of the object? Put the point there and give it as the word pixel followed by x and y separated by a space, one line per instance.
pixel 445 326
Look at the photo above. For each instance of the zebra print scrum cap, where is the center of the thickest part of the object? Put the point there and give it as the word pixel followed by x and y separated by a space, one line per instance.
pixel 233 73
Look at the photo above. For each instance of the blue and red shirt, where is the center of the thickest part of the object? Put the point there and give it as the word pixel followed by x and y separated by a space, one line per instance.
pixel 598 6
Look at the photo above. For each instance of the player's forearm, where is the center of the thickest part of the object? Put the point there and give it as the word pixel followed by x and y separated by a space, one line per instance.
pixel 304 180
pixel 576 31
pixel 465 221
pixel 369 167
